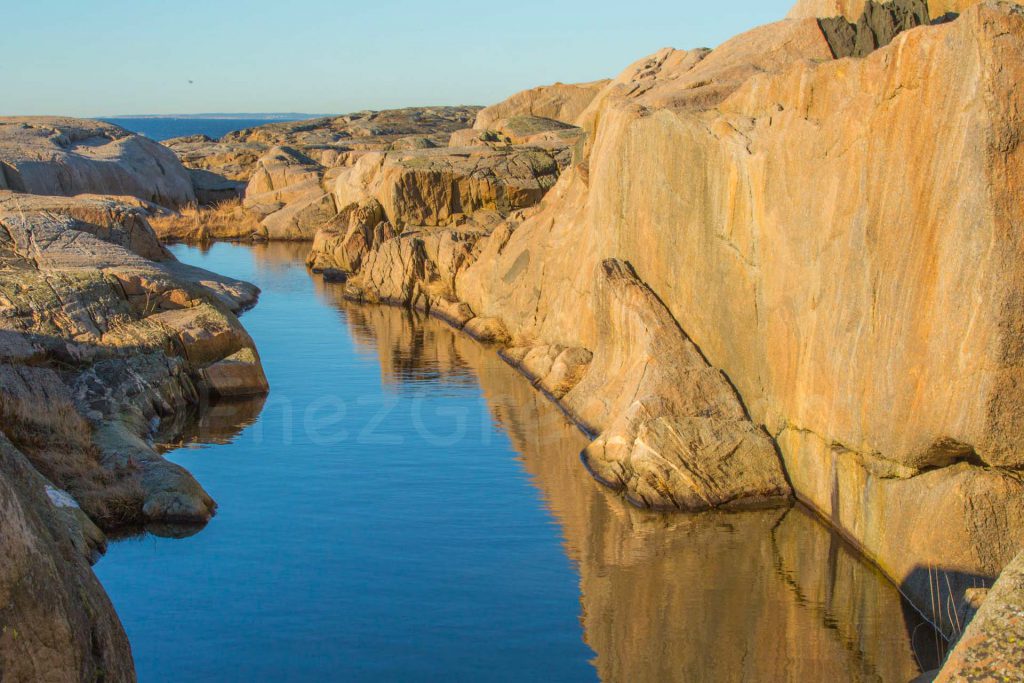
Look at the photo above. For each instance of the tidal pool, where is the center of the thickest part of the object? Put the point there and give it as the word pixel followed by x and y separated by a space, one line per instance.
pixel 404 506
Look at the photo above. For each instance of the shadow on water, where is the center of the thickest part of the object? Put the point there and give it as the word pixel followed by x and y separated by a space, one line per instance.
pixel 766 595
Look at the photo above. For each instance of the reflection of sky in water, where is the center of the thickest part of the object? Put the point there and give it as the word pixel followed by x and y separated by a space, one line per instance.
pixel 407 507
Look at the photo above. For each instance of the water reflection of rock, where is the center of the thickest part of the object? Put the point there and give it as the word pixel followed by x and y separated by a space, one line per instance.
pixel 756 596
pixel 210 422
pixel 408 351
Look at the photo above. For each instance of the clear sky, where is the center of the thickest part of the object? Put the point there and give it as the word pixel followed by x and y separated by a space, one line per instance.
pixel 108 57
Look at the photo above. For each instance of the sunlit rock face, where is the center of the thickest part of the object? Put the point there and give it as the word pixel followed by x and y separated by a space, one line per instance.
pixel 853 276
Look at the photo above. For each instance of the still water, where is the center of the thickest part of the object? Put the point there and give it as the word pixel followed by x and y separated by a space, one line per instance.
pixel 405 506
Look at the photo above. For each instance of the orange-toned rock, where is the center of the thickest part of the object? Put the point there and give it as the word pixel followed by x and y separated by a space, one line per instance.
pixel 853 276
pixel 561 102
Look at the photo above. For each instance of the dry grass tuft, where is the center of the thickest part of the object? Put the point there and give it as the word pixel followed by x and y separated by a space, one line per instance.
pixel 57 440
pixel 228 220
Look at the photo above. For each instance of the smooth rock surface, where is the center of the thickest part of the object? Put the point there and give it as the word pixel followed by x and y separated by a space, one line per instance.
pixel 64 156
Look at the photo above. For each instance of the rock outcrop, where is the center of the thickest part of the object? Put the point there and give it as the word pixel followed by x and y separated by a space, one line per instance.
pixel 103 336
pixel 62 156
pixel 105 328
pixel 850 279
pixel 992 646
pixel 876 27
pixel 221 168
pixel 670 434
pixel 562 102
pixel 56 622
pixel 418 164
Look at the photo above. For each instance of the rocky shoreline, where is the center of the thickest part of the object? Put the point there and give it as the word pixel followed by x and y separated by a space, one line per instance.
pixel 781 268
pixel 104 336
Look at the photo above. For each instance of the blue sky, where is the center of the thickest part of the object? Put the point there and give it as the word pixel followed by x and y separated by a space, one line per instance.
pixel 108 57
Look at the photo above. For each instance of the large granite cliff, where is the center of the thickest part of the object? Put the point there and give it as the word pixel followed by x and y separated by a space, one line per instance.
pixel 837 236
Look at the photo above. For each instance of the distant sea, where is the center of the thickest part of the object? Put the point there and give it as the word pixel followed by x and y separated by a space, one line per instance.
pixel 163 128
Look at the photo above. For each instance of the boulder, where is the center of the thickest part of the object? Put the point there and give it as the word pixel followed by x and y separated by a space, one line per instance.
pixel 64 156
pixel 561 102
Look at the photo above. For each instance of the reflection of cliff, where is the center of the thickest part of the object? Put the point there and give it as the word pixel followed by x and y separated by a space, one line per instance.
pixel 755 596
pixel 408 352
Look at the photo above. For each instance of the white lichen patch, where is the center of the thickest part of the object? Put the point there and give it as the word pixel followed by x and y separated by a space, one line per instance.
pixel 59 498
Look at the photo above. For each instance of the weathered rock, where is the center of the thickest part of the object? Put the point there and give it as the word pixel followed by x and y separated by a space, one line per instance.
pixel 123 341
pixel 561 102
pixel 326 140
pixel 672 433
pixel 239 374
pixel 212 188
pixel 489 330
pixel 63 156
pixel 528 130
pixel 115 220
pixel 285 186
pixel 56 622
pixel 992 646
pixel 439 187
pixel 553 368
pixel 876 27
pixel 852 276
pixel 354 232
pixel 309 172
pixel 234 161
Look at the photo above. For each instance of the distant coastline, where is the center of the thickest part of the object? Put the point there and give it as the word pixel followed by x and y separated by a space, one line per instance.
pixel 275 116
pixel 165 127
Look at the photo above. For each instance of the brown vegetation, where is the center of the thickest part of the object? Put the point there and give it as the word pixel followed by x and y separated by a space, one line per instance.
pixel 227 220
pixel 57 440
